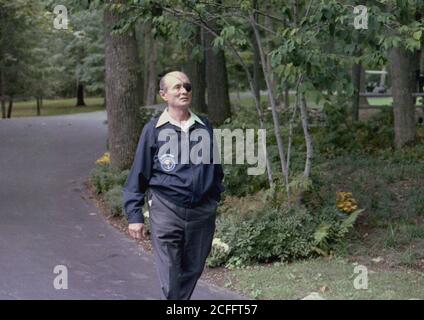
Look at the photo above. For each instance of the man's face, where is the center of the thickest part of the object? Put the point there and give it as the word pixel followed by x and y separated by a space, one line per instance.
pixel 178 91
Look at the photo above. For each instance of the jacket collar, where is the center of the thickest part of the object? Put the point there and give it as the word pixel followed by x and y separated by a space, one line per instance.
pixel 165 117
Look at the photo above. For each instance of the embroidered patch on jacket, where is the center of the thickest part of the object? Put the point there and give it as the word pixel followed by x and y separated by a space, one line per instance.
pixel 167 162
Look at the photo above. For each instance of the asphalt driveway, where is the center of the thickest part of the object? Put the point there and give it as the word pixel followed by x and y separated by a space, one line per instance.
pixel 46 219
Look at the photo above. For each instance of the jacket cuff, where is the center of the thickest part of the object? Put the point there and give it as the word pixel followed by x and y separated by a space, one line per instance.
pixel 135 217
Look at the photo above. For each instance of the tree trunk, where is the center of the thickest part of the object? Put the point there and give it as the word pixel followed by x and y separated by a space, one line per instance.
pixel 80 95
pixel 152 82
pixel 2 97
pixel 403 85
pixel 307 135
pixel 147 41
pixel 3 107
pixel 219 107
pixel 356 81
pixel 275 116
pixel 9 110
pixel 38 106
pixel 269 25
pixel 141 39
pixel 122 93
pixel 256 58
pixel 195 69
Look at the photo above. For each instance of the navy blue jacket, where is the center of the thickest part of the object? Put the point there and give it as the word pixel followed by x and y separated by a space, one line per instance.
pixel 186 185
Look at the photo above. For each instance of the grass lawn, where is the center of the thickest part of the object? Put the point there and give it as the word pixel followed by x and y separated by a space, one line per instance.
pixel 331 279
pixel 55 107
pixel 388 238
pixel 67 106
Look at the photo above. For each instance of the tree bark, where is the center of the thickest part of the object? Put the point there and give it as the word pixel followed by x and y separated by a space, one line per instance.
pixel 80 95
pixel 403 85
pixel 122 87
pixel 151 67
pixel 195 69
pixel 218 98
pixel 141 44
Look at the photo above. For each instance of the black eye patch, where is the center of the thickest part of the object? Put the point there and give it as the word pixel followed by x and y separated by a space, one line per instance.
pixel 187 86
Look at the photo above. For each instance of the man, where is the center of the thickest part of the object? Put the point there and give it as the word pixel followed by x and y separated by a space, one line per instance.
pixel 184 194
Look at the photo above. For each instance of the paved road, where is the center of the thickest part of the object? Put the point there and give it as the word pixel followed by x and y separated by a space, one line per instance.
pixel 47 220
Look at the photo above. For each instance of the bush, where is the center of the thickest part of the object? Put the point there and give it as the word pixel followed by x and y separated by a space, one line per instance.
pixel 104 178
pixel 266 234
pixel 340 136
pixel 113 199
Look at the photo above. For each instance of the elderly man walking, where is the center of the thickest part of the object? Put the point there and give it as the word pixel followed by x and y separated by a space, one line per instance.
pixel 184 193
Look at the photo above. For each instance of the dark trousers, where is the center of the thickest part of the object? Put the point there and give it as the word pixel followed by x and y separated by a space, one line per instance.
pixel 181 239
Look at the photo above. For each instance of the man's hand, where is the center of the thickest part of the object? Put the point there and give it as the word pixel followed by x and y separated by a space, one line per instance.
pixel 136 230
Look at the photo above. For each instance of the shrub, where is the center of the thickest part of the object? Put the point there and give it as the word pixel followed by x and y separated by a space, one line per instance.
pixel 113 199
pixel 104 178
pixel 266 233
pixel 340 137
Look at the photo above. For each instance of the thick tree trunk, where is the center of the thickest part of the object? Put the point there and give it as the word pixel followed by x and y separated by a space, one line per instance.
pixel 122 93
pixel 80 95
pixel 151 60
pixel 195 69
pixel 141 44
pixel 219 107
pixel 403 85
pixel 147 42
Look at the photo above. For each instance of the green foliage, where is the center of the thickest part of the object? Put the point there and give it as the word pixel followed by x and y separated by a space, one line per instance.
pixel 146 114
pixel 333 229
pixel 340 136
pixel 270 234
pixel 113 199
pixel 104 178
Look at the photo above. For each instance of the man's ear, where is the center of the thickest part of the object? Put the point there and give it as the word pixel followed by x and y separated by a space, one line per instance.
pixel 162 95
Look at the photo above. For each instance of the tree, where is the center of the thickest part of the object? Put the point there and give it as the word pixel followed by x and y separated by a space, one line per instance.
pixel 196 68
pixel 403 85
pixel 150 64
pixel 404 56
pixel 122 84
pixel 218 98
pixel 21 24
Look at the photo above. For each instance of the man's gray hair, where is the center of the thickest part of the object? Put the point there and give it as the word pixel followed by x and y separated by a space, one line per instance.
pixel 162 84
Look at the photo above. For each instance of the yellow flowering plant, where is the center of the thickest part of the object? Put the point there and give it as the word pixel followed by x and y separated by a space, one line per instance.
pixel 104 160
pixel 345 202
